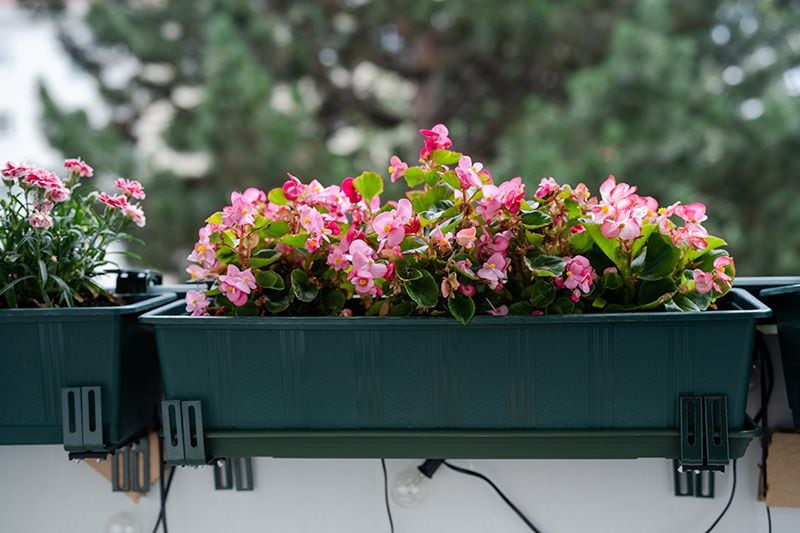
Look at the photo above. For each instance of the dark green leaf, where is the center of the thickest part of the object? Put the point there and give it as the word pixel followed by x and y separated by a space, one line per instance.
pixel 277 229
pixel 545 265
pixel 269 279
pixel 661 259
pixel 461 307
pixel 653 290
pixel 423 289
pixel 303 289
pixel 692 302
pixel 264 258
pixel 535 219
pixel 542 294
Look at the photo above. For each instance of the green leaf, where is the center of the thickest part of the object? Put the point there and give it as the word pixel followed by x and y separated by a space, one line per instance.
pixel 581 242
pixel 545 265
pixel 520 308
pixel 296 241
pixel 652 291
pixel 462 308
pixel 422 289
pixel 332 301
pixel 278 301
pixel 535 219
pixel 661 259
pixel 563 306
pixel 712 244
pixel 414 176
pixel 277 229
pixel 542 294
pixel 692 302
pixel 402 309
pixel 369 184
pixel 216 218
pixel 303 289
pixel 534 238
pixel 612 281
pixel 610 247
pixel 277 197
pixel 451 179
pixel 264 258
pixel 445 157
pixel 424 200
pixel 42 273
pixel 270 279
pixel 225 254
pixel 639 243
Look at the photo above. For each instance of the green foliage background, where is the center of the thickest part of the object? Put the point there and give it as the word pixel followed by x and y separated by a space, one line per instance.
pixel 574 89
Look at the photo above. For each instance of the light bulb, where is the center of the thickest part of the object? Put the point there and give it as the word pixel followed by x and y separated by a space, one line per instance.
pixel 409 488
pixel 122 523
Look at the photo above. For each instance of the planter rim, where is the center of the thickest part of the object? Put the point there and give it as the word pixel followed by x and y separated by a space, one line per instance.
pixel 749 307
pixel 765 282
pixel 777 291
pixel 146 304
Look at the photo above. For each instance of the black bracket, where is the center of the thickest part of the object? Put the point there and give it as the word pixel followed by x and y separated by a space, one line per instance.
pixel 697 483
pixel 182 422
pixel 704 433
pixel 130 467
pixel 82 419
pixel 229 469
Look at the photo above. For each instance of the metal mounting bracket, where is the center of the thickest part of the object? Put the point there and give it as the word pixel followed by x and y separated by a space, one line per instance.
pixel 182 422
pixel 130 467
pixel 230 469
pixel 697 483
pixel 704 433
pixel 82 419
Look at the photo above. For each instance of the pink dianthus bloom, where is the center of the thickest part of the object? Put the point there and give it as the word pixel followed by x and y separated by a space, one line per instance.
pixel 197 303
pixel 118 201
pixel 79 167
pixel 135 213
pixel 13 171
pixel 40 220
pixel 131 188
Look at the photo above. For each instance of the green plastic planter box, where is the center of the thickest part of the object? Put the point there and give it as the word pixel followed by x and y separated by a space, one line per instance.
pixel 785 304
pixel 45 350
pixel 613 371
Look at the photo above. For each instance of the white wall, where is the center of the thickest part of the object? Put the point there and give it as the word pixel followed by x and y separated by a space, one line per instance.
pixel 40 492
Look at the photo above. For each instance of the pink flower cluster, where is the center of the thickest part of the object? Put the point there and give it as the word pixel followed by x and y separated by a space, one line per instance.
pixel 128 188
pixel 436 138
pixel 79 167
pixel 578 277
pixel 236 284
pixel 718 279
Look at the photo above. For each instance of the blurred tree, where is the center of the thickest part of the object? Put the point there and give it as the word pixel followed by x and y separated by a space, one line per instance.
pixel 680 97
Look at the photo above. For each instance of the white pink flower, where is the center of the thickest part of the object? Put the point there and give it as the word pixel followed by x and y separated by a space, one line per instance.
pixel 469 173
pixel 135 213
pixel 131 188
pixel 547 186
pixel 494 270
pixel 240 213
pixel 41 220
pixel 466 237
pixel 117 201
pixel 79 167
pixel 13 171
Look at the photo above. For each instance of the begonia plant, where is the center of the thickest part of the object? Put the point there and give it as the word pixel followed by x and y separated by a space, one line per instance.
pixel 457 244
pixel 55 234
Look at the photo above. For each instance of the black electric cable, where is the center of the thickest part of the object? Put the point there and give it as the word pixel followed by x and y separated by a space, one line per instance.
pixel 505 498
pixel 163 489
pixel 730 500
pixel 386 495
pixel 769 519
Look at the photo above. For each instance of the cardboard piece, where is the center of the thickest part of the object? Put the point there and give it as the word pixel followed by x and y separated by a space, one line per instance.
pixel 783 470
pixel 104 467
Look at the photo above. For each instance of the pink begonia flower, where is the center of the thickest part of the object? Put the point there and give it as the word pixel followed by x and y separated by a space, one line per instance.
pixel 464 264
pixel 703 281
pixel 293 188
pixel 692 235
pixel 490 204
pixel 442 241
pixel 118 201
pixel 198 273
pixel 79 167
pixel 469 173
pixel 579 228
pixel 40 220
pixel 239 213
pixel 547 186
pixel 346 312
pixel 579 276
pixel 313 243
pixel 363 259
pixel 130 187
pixel 349 189
pixel 722 281
pixel 197 303
pixel 665 225
pixel 498 311
pixel 624 225
pixel 13 171
pixel 694 213
pixel 236 284
pixel 513 192
pixel 311 220
pixel 412 227
pixel 436 138
pixel 449 285
pixel 466 237
pixel 390 225
pixel 253 195
pixel 467 290
pixel 397 168
pixel 501 241
pixel 494 270
pixel 337 259
pixel 135 213
pixel 581 194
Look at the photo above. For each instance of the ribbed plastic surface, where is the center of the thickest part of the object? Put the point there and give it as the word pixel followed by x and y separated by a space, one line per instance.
pixel 785 304
pixel 550 372
pixel 43 350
